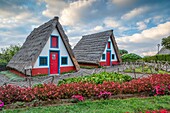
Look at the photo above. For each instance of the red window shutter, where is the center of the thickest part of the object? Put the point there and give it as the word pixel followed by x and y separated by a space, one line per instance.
pixel 54 42
pixel 108 45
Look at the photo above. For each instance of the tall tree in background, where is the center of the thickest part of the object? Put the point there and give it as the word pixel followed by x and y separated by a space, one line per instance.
pixel 123 51
pixel 7 53
pixel 166 42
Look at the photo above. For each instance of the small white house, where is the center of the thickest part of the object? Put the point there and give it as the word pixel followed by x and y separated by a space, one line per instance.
pixel 46 50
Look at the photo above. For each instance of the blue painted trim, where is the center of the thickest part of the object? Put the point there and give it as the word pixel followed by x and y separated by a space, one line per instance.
pixel 67 60
pixel 104 58
pixel 58 60
pixel 40 60
pixel 51 41
pixel 114 56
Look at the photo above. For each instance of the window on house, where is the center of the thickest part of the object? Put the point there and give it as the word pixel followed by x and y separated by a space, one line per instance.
pixel 64 60
pixel 103 57
pixel 108 45
pixel 54 41
pixel 113 56
pixel 43 61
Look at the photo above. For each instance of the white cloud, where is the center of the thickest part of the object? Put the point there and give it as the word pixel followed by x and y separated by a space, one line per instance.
pixel 98 28
pixel 110 22
pixel 141 25
pixel 135 12
pixel 122 2
pixel 146 39
pixel 54 7
pixel 72 14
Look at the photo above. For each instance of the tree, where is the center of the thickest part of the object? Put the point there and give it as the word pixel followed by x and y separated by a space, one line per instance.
pixel 7 53
pixel 166 42
pixel 123 51
pixel 130 57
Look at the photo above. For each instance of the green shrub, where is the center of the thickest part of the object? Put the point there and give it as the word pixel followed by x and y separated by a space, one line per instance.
pixel 130 57
pixel 98 78
pixel 157 58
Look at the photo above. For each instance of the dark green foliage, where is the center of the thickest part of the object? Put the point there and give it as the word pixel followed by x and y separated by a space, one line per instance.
pixel 7 53
pixel 157 58
pixel 98 78
pixel 123 51
pixel 130 57
pixel 166 42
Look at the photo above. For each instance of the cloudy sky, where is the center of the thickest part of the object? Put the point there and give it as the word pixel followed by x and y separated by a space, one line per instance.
pixel 139 25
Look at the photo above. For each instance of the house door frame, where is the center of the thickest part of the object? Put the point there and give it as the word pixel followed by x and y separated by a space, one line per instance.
pixel 108 60
pixel 58 61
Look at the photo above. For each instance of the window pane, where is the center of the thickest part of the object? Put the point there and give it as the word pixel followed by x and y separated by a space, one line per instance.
pixel 54 42
pixel 103 57
pixel 113 56
pixel 43 61
pixel 64 60
pixel 108 46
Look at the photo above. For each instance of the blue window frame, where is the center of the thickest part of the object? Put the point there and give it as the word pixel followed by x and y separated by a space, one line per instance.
pixel 64 60
pixel 113 56
pixel 43 61
pixel 103 56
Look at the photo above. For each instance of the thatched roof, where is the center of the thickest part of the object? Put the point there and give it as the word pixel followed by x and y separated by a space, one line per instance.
pixel 164 51
pixel 35 43
pixel 91 47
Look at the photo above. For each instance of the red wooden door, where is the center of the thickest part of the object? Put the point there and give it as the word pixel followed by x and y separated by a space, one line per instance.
pixel 54 63
pixel 108 59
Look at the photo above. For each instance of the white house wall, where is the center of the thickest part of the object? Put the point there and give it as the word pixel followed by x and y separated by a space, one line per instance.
pixel 45 52
pixel 112 51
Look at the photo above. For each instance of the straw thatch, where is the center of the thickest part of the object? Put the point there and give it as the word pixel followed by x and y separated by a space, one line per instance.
pixel 164 51
pixel 35 43
pixel 91 47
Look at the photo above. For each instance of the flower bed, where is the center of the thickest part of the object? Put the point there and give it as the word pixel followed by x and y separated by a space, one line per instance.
pixel 98 78
pixel 11 93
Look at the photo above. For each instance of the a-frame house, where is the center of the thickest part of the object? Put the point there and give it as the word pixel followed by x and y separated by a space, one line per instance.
pixel 99 49
pixel 45 51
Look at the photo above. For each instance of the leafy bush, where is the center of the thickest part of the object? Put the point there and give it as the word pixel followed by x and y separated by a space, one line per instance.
pixel 157 58
pixel 98 78
pixel 130 57
pixel 8 53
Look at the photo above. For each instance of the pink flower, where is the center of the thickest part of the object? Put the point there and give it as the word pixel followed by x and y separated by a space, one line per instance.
pixel 1 104
pixel 78 97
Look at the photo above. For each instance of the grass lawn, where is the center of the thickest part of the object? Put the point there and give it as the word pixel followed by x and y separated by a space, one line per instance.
pixel 132 105
pixel 10 75
pixel 146 70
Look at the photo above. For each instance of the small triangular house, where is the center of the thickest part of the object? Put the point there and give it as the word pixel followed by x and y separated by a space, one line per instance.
pixel 99 49
pixel 164 51
pixel 45 51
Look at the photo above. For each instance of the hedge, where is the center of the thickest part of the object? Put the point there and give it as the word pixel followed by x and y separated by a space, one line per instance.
pixel 157 58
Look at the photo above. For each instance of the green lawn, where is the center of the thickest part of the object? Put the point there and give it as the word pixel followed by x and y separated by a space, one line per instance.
pixel 132 105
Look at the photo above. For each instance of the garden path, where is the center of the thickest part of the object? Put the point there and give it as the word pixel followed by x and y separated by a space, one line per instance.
pixel 81 72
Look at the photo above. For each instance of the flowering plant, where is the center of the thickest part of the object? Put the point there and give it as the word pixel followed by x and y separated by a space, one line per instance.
pixel 105 95
pixel 78 98
pixel 1 104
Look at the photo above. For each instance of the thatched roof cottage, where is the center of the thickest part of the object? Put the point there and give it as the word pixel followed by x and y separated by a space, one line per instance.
pixel 164 51
pixel 45 51
pixel 99 49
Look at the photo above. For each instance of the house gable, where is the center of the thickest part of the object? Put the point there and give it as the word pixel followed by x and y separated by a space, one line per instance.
pixel 28 55
pixel 46 53
pixel 109 48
